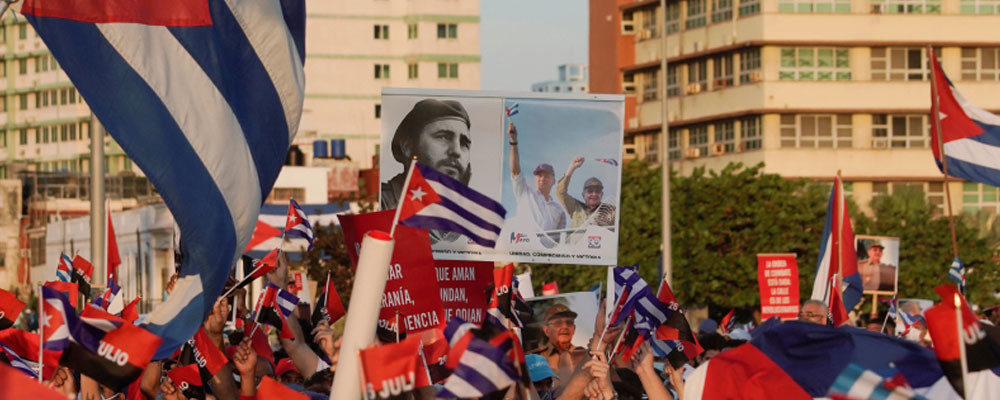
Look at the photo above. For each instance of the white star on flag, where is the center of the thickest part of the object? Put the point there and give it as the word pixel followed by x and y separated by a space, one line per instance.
pixel 47 318
pixel 417 194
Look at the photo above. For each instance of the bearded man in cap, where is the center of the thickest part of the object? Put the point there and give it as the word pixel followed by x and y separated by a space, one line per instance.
pixel 436 132
pixel 582 212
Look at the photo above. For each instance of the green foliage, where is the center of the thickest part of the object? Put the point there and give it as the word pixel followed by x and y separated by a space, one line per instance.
pixel 926 248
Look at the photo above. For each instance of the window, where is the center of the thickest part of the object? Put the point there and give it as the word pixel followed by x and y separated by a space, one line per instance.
pixel 697 76
pixel 906 6
pixel 382 32
pixel 3 65
pixel 45 99
pixel 814 64
pixel 673 17
pixel 750 65
pixel 814 6
pixel 979 6
pixel 3 141
pixel 674 144
pixel 22 66
pixel 673 87
pixel 72 131
pixel 38 99
pixel 933 191
pixel 649 26
pixel 23 101
pixel 63 96
pixel 412 71
pixel 448 70
pixel 652 148
pixel 281 195
pixel 38 64
pixel 23 140
pixel 698 140
pixel 72 95
pixel 650 86
pixel 45 134
pixel 725 137
pixel 749 7
pixel 63 133
pixel 816 130
pixel 900 131
pixel 447 31
pixel 381 71
pixel 900 63
pixel 22 31
pixel 411 31
pixel 750 133
pixel 723 69
pixel 981 64
pixel 695 14
pixel 722 10
pixel 378 111
pixel 979 197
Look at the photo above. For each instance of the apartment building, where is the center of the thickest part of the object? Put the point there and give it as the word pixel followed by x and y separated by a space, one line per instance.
pixel 808 87
pixel 572 79
pixel 354 48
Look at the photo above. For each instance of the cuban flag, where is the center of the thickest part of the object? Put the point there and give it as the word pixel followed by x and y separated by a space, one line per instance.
pixel 837 253
pixel 971 135
pixel 857 382
pixel 109 295
pixel 437 201
pixel 64 271
pixel 205 96
pixel 512 110
pixel 957 273
pixel 479 367
pixel 8 355
pixel 297 225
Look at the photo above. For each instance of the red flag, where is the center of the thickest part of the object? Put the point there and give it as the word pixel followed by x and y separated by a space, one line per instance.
pixel 185 377
pixel 207 353
pixel 25 344
pixel 837 311
pixel 69 289
pixel 130 313
pixel 268 263
pixel 114 259
pixel 271 389
pixel 15 384
pixel 259 342
pixel 391 369
pixel 82 272
pixel 550 289
pixel 261 234
pixel 677 328
pixel 10 308
pixel 329 308
pixel 726 320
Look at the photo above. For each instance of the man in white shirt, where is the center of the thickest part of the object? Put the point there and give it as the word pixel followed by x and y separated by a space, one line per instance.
pixel 536 200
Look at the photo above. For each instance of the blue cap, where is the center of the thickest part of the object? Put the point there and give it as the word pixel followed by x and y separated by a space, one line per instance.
pixel 538 367
pixel 708 326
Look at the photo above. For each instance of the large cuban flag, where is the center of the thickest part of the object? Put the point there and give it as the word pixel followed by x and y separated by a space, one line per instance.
pixel 837 253
pixel 205 96
pixel 971 135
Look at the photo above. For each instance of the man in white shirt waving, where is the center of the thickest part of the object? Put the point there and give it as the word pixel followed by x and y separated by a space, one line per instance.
pixel 538 201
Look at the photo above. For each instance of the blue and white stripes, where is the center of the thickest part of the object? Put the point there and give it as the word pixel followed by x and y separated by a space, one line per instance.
pixel 461 210
pixel 208 113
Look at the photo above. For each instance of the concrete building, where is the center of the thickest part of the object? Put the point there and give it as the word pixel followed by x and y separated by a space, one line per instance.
pixel 572 79
pixel 355 48
pixel 808 87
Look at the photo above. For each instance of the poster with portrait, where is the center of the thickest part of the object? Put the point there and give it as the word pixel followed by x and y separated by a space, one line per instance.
pixel 553 161
pixel 583 304
pixel 878 263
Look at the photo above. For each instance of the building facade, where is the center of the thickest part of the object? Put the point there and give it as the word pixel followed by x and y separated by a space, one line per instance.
pixel 809 87
pixel 354 48
pixel 572 79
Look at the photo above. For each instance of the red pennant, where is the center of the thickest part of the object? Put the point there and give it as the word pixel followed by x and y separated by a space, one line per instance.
pixel 259 342
pixel 837 310
pixel 271 389
pixel 391 369
pixel 10 308
pixel 207 351
pixel 85 268
pixel 114 259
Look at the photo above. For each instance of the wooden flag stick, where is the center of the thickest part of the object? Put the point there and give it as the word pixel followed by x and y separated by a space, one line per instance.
pixel 402 196
pixel 936 115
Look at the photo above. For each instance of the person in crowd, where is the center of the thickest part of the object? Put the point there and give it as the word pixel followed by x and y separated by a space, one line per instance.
pixel 535 203
pixel 814 311
pixel 541 375
pixel 560 326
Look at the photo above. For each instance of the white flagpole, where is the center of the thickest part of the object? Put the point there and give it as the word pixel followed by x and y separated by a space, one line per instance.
pixel 399 203
pixel 41 336
pixel 961 347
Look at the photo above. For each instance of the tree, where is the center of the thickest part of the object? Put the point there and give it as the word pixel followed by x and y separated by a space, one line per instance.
pixel 926 249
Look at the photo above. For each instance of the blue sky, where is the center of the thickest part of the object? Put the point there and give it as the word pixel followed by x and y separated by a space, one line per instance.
pixel 523 41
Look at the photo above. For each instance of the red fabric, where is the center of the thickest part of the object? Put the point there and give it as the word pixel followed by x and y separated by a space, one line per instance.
pixel 418 194
pixel 10 306
pixel 746 373
pixel 271 389
pixel 138 343
pixel 15 384
pixel 167 13
pixel 955 124
pixel 847 257
pixel 130 313
pixel 261 233
pixel 259 342
pixel 205 349
pixel 549 289
pixel 25 344
pixel 392 365
pixel 186 374
pixel 71 290
pixel 268 262
pixel 114 259
pixel 837 310
pixel 725 320
pixel 334 307
pixel 134 391
pixel 284 332
pixel 85 267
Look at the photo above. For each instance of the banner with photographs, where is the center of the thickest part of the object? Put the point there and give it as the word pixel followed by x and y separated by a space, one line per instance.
pixel 878 263
pixel 553 161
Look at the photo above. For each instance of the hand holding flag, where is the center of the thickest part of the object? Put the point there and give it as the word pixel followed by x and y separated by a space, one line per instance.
pixel 297 225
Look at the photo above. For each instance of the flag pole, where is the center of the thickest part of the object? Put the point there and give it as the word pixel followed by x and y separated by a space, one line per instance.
pixel 838 213
pixel 936 115
pixel 399 202
pixel 41 335
pixel 620 336
pixel 667 251
pixel 961 347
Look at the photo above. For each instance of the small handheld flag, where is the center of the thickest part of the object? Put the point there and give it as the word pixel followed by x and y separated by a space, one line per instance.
pixel 512 110
pixel 297 225
pixel 64 271
pixel 957 273
pixel 10 308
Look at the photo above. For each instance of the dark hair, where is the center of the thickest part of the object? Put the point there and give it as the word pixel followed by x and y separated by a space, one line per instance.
pixel 319 382
pixel 712 341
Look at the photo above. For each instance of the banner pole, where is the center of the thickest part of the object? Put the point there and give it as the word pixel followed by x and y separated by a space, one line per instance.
pixel 961 347
pixel 399 202
pixel 668 271
pixel 41 335
pixel 936 114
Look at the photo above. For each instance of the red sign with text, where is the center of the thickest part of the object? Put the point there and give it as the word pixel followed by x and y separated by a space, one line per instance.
pixel 408 287
pixel 778 277
pixel 463 288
